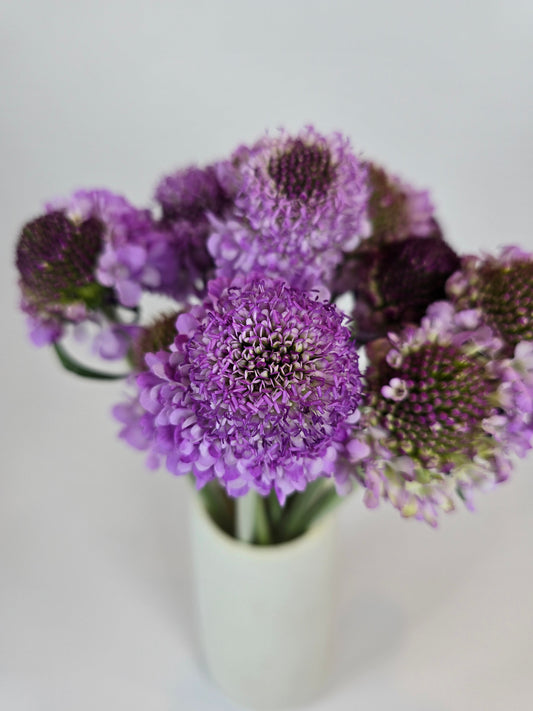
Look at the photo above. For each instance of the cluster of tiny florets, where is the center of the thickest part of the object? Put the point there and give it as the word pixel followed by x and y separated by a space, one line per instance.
pixel 501 289
pixel 57 258
pixel 257 389
pixel 397 210
pixel 57 262
pixel 300 203
pixel 442 415
pixel 302 171
pixel 433 402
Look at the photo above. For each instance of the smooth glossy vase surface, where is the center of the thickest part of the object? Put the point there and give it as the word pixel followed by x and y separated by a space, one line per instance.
pixel 265 613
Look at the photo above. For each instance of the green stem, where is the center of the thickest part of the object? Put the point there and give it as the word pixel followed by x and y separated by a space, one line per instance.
pixel 78 369
pixel 298 504
pixel 219 506
pixel 275 513
pixel 305 512
pixel 262 532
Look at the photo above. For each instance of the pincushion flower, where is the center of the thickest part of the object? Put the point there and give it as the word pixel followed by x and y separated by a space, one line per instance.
pixel 394 282
pixel 188 198
pixel 257 390
pixel 134 254
pixel 56 259
pixel 501 290
pixel 300 202
pixel 396 209
pixel 442 415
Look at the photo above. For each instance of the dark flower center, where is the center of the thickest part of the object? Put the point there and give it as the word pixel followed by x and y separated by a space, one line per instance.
pixel 443 398
pixel 56 258
pixel 395 282
pixel 302 171
pixel 506 297
pixel 267 359
pixel 412 273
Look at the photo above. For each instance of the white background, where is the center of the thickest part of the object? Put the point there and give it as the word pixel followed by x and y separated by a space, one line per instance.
pixel 95 602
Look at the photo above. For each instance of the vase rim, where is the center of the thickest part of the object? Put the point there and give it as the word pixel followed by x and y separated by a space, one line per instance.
pixel 258 550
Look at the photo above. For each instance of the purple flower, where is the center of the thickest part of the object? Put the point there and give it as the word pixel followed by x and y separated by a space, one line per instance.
pixel 442 415
pixel 396 209
pixel 134 255
pixel 191 194
pixel 56 259
pixel 188 198
pixel 113 342
pixel 501 290
pixel 257 390
pixel 300 202
pixel 394 283
pixel 139 427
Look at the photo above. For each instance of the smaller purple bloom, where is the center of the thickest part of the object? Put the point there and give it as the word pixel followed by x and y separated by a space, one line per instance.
pixel 300 203
pixel 188 199
pixel 191 194
pixel 56 260
pixel 127 270
pixel 394 282
pixel 500 289
pixel 396 209
pixel 442 415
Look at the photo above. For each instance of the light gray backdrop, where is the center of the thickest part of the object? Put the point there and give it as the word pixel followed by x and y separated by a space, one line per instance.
pixel 95 606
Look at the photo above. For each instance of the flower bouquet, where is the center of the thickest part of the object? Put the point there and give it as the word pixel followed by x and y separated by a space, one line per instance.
pixel 276 268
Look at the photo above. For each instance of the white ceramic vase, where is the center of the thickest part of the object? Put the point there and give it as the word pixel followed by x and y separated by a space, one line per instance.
pixel 265 614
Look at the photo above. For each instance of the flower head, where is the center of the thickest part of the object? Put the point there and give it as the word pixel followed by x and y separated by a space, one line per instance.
pixel 394 283
pixel 300 202
pixel 397 210
pixel 441 416
pixel 56 259
pixel 501 289
pixel 188 198
pixel 257 390
pixel 191 194
pixel 133 258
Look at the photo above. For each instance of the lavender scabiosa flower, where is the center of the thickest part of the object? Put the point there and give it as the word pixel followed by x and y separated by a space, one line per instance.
pixel 441 417
pixel 300 203
pixel 257 390
pixel 188 198
pixel 56 259
pixel 191 194
pixel 501 289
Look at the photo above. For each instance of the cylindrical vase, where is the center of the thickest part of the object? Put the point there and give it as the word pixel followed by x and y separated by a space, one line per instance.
pixel 265 614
